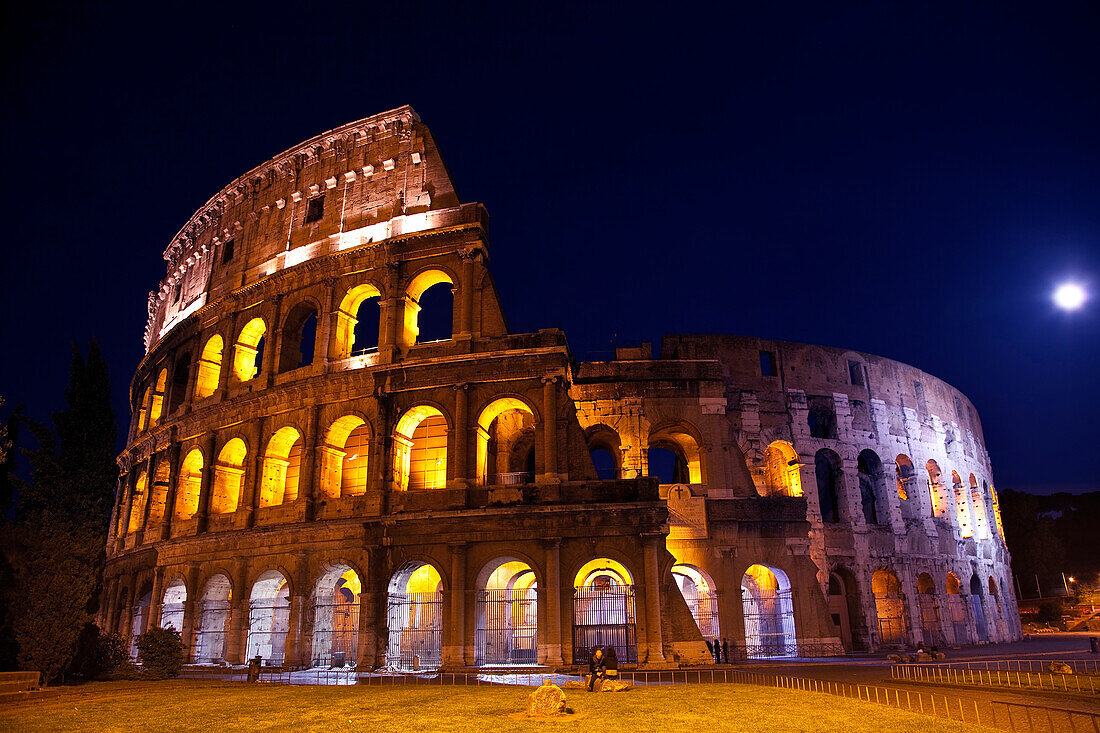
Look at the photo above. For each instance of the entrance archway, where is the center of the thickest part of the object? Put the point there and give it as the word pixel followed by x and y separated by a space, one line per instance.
pixel 336 618
pixel 929 611
pixel 213 618
pixel 697 588
pixel 977 606
pixel 844 607
pixel 604 611
pixel 414 616
pixel 171 607
pixel 956 608
pixel 506 621
pixel 889 607
pixel 269 618
pixel 140 618
pixel 769 613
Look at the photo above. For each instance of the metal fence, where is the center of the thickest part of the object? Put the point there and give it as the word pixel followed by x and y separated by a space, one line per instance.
pixel 335 633
pixel 979 675
pixel 416 630
pixel 604 617
pixel 210 637
pixel 704 609
pixel 769 624
pixel 268 624
pixel 507 627
pixel 956 608
pixel 891 618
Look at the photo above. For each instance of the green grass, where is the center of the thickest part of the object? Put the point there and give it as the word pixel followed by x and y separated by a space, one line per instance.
pixel 180 705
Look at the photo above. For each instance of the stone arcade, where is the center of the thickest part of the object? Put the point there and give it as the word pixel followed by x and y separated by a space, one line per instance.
pixel 315 477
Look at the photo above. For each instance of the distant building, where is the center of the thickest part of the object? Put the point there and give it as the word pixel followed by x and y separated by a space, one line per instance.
pixel 315 475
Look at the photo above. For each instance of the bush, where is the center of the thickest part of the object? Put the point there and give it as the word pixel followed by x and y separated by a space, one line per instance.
pixel 109 654
pixel 1050 612
pixel 160 652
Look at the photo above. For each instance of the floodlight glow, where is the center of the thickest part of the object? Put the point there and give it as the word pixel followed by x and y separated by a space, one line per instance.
pixel 1069 296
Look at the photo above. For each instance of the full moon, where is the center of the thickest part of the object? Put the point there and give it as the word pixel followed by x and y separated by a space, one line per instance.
pixel 1069 296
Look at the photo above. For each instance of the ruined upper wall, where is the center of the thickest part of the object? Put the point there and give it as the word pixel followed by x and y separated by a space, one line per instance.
pixel 363 182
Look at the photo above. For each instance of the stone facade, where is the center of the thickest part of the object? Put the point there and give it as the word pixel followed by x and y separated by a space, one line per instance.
pixel 309 478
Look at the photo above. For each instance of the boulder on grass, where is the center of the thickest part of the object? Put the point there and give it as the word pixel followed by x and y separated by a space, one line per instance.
pixel 895 658
pixel 1059 668
pixel 922 657
pixel 615 685
pixel 546 701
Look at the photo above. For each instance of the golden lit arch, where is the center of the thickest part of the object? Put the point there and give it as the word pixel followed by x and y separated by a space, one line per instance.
pixel 143 408
pixel 492 411
pixel 343 456
pixel 413 292
pixel 210 368
pixel 244 353
pixel 156 408
pixel 906 475
pixel 782 471
pixel 137 502
pixel 158 495
pixel 228 478
pixel 685 445
pixel 936 492
pixel 602 566
pixel 347 317
pixel 420 449
pixel 189 486
pixel 282 466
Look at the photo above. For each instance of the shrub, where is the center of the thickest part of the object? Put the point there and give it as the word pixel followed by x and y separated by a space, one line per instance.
pixel 1050 612
pixel 160 652
pixel 109 654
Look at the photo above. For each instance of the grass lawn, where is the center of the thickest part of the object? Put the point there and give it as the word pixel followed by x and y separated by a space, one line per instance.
pixel 185 705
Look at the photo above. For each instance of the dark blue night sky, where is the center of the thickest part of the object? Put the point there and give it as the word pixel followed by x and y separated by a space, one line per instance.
pixel 908 179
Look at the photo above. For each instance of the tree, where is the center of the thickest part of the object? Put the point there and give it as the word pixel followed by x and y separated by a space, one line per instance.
pixel 57 546
pixel 161 652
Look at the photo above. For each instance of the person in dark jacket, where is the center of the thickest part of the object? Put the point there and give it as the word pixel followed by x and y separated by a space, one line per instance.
pixel 596 667
pixel 725 650
pixel 717 651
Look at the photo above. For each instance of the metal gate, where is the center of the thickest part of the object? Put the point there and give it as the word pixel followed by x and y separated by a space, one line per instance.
pixel 930 620
pixel 507 627
pixel 977 607
pixel 890 608
pixel 416 630
pixel 769 624
pixel 268 623
pixel 956 606
pixel 704 609
pixel 335 633
pixel 604 617
pixel 171 615
pixel 137 627
pixel 210 638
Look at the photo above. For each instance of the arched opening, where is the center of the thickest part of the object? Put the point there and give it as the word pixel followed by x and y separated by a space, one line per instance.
pixel 228 478
pixel 844 607
pixel 769 613
pixel 906 476
pixel 782 470
pixel 936 494
pixel 415 618
pixel 506 443
pixel 282 468
pixel 172 605
pixel 673 457
pixel 158 495
pixel 213 620
pixel 142 409
pixel 181 374
pixel 506 614
pixel 996 599
pixel 977 510
pixel 344 457
pixel 604 611
pixel 420 450
pixel 121 616
pixel 827 468
pixel 210 368
pixel 962 506
pixel 139 619
pixel 336 618
pixel 429 308
pixel 248 354
pixel 889 607
pixel 956 609
pixel 269 618
pixel 870 480
pixel 995 508
pixel 929 611
pixel 137 503
pixel 699 593
pixel 357 322
pixel 156 407
pixel 977 606
pixel 189 485
pixel 605 450
pixel 299 337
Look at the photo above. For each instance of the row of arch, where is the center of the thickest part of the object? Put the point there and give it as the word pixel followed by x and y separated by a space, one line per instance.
pixel 974 508
pixel 357 327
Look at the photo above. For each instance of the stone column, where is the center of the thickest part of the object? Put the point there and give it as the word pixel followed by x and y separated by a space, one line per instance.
pixel 369 628
pixel 228 352
pixel 155 599
pixel 173 483
pixel 190 612
pixel 552 612
pixel 466 320
pixel 238 616
pixel 206 485
pixel 253 476
pixel 272 345
pixel 654 636
pixel 462 434
pixel 454 642
pixel 150 466
pixel 325 324
pixel 297 640
pixel 307 481
pixel 123 521
pixel 550 429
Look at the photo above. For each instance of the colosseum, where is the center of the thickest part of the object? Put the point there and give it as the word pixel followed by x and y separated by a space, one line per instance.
pixel 340 457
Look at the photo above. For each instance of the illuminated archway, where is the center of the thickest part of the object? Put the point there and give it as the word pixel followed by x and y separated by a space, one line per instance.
pixel 214 605
pixel 189 485
pixel 299 337
pixel 889 607
pixel 936 493
pixel 139 617
pixel 156 407
pixel 282 467
pixel 506 614
pixel 137 503
pixel 413 293
pixel 977 510
pixel 228 478
pixel 683 448
pixel 906 479
pixel 604 611
pixel 210 368
pixel 420 449
pixel 929 611
pixel 344 455
pixel 871 494
pixel 956 609
pixel 699 593
pixel 962 506
pixel 269 618
pixel 769 613
pixel 172 605
pixel 158 495
pixel 782 471
pixel 248 352
pixel 605 450
pixel 415 618
pixel 143 409
pixel 346 336
pixel 506 443
pixel 977 607
pixel 336 618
